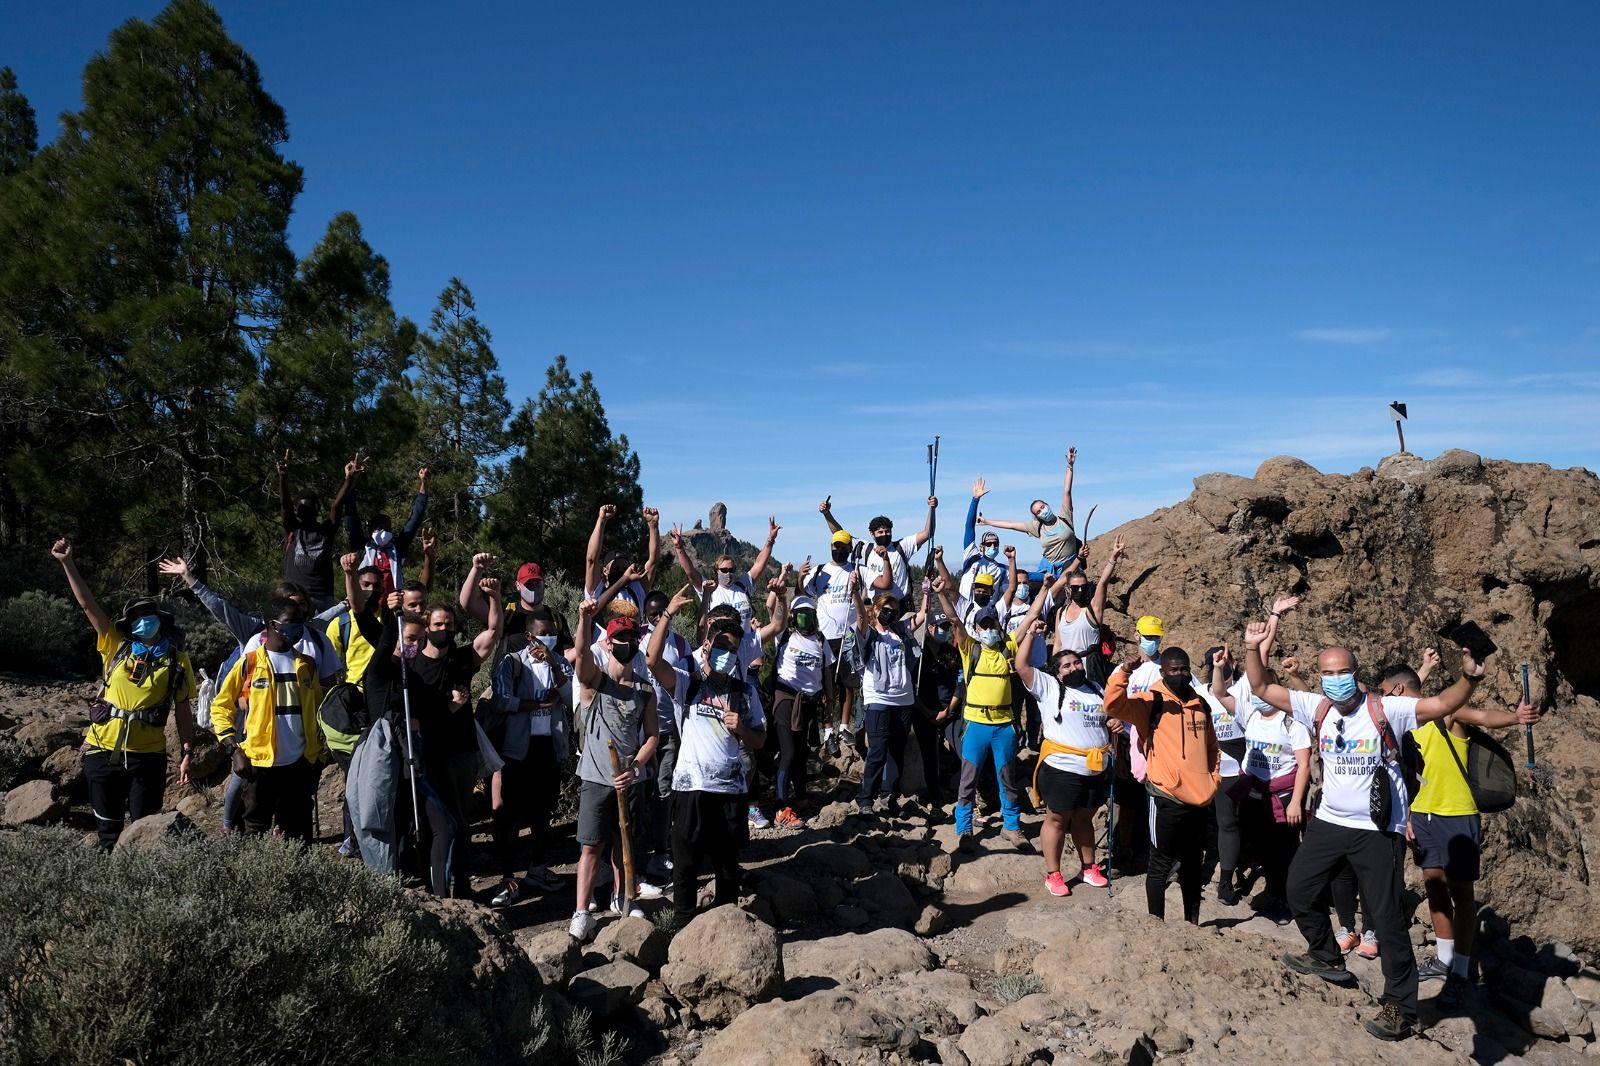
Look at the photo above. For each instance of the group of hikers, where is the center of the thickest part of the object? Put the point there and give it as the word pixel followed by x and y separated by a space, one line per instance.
pixel 665 708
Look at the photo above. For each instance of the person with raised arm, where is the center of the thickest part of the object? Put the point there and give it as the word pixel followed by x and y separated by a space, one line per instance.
pixel 980 555
pixel 889 668
pixel 1362 817
pixel 309 534
pixel 600 570
pixel 890 568
pixel 383 546
pixel 1079 619
pixel 829 586
pixel 1058 542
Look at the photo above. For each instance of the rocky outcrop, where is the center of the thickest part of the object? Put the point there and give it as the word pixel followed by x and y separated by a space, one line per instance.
pixel 722 963
pixel 1386 560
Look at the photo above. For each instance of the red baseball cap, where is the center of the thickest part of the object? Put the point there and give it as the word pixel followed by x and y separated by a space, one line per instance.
pixel 621 624
pixel 529 572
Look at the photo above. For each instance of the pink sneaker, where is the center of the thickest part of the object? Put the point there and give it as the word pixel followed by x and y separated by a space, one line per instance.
pixel 1093 877
pixel 1057 884
pixel 1347 940
pixel 1368 948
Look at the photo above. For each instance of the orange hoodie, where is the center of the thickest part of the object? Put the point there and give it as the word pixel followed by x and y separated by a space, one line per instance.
pixel 1182 757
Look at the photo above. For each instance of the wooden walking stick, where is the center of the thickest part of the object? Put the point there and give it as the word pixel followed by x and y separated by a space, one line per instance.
pixel 622 824
pixel 1530 766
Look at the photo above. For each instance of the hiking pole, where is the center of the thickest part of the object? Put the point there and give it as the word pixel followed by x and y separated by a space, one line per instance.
pixel 411 758
pixel 1111 814
pixel 622 829
pixel 1527 730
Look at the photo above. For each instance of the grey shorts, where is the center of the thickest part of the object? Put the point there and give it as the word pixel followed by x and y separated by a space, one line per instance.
pixel 1448 842
pixel 597 814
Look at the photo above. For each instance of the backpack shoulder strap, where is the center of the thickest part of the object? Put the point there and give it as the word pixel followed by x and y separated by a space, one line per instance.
pixel 1316 733
pixel 1449 743
pixel 1380 722
pixel 123 651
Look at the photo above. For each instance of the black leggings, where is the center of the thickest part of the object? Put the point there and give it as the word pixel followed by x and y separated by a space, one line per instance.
pixel 792 742
pixel 1276 843
pixel 120 792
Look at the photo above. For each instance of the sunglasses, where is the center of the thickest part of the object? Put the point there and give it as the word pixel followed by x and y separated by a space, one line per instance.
pixel 724 570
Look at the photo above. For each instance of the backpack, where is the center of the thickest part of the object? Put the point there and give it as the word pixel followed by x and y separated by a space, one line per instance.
pixel 1491 775
pixel 101 710
pixel 343 717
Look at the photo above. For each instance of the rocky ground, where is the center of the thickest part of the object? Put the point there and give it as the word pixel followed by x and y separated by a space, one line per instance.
pixel 863 939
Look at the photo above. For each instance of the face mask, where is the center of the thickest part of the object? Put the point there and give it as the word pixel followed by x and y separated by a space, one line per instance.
pixel 989 638
pixel 548 640
pixel 1046 516
pixel 1075 678
pixel 1078 593
pixel 305 515
pixel 805 620
pixel 1180 686
pixel 982 598
pixel 724 662
pixel 1339 687
pixel 382 538
pixel 441 638
pixel 145 628
pixel 841 552
pixel 291 632
pixel 724 578
pixel 1023 594
pixel 1150 645
pixel 941 634
pixel 532 595
pixel 883 540
pixel 624 650
pixel 888 615
pixel 991 551
pixel 409 651
pixel 1262 706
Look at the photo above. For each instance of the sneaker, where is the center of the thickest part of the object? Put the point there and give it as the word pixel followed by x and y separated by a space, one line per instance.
pixel 582 926
pixel 646 890
pixel 634 910
pixel 346 846
pixel 1369 945
pixel 1390 1024
pixel 967 843
pixel 1056 884
pixel 541 878
pixel 1332 972
pixel 507 895
pixel 788 819
pixel 757 819
pixel 1092 877
pixel 1347 940
pixel 1016 838
pixel 1431 969
pixel 1454 992
pixel 1228 893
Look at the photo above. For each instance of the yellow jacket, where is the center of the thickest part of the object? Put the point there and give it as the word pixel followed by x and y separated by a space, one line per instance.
pixel 252 677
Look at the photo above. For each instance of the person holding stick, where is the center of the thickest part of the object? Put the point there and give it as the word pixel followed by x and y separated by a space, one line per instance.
pixel 618 707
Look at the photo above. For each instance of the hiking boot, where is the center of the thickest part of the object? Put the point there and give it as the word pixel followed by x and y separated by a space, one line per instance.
pixel 509 894
pixel 581 927
pixel 1368 948
pixel 633 908
pixel 541 878
pixel 1092 877
pixel 757 819
pixel 1228 893
pixel 1390 1024
pixel 1016 838
pixel 967 843
pixel 1431 969
pixel 1348 939
pixel 788 819
pixel 831 744
pixel 1454 992
pixel 1055 884
pixel 1332 972
pixel 646 890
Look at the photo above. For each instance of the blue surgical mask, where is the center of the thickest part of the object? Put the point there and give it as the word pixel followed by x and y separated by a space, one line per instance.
pixel 548 640
pixel 724 662
pixel 145 628
pixel 989 638
pixel 1046 515
pixel 991 551
pixel 1023 594
pixel 1339 687
pixel 1150 645
pixel 1262 706
pixel 941 634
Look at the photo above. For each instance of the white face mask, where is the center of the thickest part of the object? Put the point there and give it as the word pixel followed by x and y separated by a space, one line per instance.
pixel 532 596
pixel 382 538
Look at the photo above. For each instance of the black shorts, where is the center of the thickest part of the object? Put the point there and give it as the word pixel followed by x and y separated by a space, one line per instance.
pixel 843 677
pixel 1448 842
pixel 1064 792
pixel 597 814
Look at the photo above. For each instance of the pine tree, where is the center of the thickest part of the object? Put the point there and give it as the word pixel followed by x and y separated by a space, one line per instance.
pixel 568 466
pixel 19 130
pixel 19 141
pixel 461 411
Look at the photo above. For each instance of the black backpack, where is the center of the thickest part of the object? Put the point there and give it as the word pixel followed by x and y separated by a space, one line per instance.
pixel 1490 772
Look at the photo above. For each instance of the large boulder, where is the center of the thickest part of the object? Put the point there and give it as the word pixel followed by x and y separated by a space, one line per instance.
pixel 152 831
pixel 722 963
pixel 824 1027
pixel 606 990
pixel 32 803
pixel 860 959
pixel 635 940
pixel 554 954
pixel 65 767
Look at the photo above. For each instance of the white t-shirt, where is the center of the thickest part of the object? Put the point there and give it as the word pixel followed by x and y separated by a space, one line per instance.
pixel 1076 717
pixel 802 660
pixel 1039 655
pixel 1145 677
pixel 1079 635
pixel 290 739
pixel 315 644
pixel 736 595
pixel 886 674
pixel 708 753
pixel 1228 725
pixel 1271 742
pixel 1352 754
pixel 899 572
pixel 830 587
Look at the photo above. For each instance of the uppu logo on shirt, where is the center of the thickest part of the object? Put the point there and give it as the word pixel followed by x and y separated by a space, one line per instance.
pixel 1335 746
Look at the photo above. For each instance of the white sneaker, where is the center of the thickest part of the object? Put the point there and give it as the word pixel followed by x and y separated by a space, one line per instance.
pixel 582 927
pixel 616 908
pixel 646 890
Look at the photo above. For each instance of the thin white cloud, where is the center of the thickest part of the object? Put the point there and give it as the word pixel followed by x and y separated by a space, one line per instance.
pixel 1346 334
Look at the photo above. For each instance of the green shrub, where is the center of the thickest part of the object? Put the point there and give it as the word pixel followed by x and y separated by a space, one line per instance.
pixel 1012 987
pixel 46 635
pixel 232 950
pixel 14 762
pixel 570 1040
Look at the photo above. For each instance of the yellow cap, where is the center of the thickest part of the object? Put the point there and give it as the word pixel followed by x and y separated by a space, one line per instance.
pixel 842 537
pixel 1150 626
pixel 984 578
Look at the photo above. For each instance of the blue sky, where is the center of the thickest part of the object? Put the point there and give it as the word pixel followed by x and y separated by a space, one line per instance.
pixel 793 242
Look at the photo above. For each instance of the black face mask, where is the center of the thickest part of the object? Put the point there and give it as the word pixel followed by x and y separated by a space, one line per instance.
pixel 306 514
pixel 982 598
pixel 441 638
pixel 888 615
pixel 624 652
pixel 1075 678
pixel 1078 593
pixel 883 540
pixel 1180 686
pixel 841 552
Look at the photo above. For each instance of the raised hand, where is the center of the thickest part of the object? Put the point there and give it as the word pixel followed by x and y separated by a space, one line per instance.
pixel 1220 659
pixel 61 550
pixel 980 489
pixel 422 478
pixel 1285 604
pixel 483 560
pixel 1290 664
pixel 855 581
pixel 1072 456
pixel 355 466
pixel 1527 713
pixel 1131 659
pixel 940 585
pixel 933 503
pixel 283 462
pixel 1470 666
pixel 1119 547
pixel 174 568
pixel 490 586
pixel 938 553
pixel 881 551
pixel 652 517
pixel 635 572
pixel 607 510
pixel 1430 660
pixel 1254 634
pixel 675 534
pixel 430 542
pixel 772 529
pixel 586 609
pixel 394 601
pixel 684 597
pixel 1038 627
pixel 805 573
pixel 1011 552
pixel 826 506
pixel 348 562
pixel 777 584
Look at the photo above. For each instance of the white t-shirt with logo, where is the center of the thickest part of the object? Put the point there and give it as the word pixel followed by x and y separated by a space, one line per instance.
pixel 1270 744
pixel 1228 725
pixel 708 752
pixel 735 594
pixel 802 660
pixel 1075 717
pixel 886 677
pixel 1352 754
pixel 836 608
